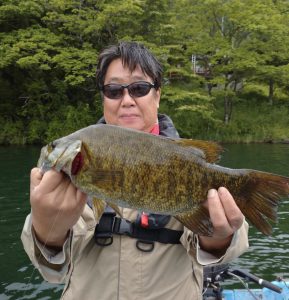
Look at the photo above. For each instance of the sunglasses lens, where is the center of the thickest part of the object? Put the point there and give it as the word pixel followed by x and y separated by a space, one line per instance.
pixel 136 89
pixel 113 91
pixel 139 89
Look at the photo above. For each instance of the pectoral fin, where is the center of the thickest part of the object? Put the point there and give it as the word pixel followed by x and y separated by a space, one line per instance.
pixel 98 207
pixel 115 208
pixel 198 221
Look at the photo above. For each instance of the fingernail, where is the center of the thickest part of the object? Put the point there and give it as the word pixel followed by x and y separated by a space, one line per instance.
pixel 212 193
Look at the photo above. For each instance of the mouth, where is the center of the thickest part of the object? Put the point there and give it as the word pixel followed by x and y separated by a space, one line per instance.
pixel 66 157
pixel 128 116
pixel 77 164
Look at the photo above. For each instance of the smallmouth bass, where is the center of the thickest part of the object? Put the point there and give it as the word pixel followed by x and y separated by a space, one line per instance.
pixel 129 168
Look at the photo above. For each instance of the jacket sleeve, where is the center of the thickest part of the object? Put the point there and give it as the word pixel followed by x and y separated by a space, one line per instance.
pixel 239 245
pixel 55 266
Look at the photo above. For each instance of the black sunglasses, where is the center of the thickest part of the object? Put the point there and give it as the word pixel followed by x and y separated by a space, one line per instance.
pixel 135 89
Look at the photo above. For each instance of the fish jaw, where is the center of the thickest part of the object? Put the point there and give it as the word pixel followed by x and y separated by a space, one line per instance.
pixel 59 155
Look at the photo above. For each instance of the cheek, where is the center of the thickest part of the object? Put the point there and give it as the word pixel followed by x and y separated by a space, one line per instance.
pixel 154 105
pixel 150 112
pixel 110 109
pixel 151 104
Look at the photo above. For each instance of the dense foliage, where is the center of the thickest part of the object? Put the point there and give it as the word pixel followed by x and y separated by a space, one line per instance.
pixel 237 89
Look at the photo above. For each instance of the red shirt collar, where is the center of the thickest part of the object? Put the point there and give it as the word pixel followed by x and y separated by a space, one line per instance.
pixel 156 129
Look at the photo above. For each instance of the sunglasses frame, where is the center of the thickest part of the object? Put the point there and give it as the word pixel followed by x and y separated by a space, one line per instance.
pixel 127 86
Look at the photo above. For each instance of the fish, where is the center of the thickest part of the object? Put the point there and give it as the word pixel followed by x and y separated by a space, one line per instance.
pixel 123 167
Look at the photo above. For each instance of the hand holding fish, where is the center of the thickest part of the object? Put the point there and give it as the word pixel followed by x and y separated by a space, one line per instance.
pixel 56 203
pixel 226 219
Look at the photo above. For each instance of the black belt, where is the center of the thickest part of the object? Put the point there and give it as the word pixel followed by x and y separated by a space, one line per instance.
pixel 109 224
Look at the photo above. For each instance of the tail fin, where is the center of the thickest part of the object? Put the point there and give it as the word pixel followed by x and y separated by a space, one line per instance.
pixel 259 197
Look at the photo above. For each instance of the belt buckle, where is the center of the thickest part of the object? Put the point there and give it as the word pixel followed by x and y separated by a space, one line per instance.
pixel 105 238
pixel 125 227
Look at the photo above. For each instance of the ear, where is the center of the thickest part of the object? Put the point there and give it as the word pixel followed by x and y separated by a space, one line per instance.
pixel 158 97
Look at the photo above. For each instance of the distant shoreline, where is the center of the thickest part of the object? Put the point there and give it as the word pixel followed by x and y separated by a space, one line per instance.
pixel 266 141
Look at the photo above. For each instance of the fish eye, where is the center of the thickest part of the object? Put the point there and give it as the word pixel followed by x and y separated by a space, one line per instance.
pixel 51 146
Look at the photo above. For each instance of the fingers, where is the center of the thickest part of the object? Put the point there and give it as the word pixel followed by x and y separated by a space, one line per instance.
pixel 217 215
pixel 232 211
pixel 81 197
pixel 35 177
pixel 50 181
pixel 225 215
pixel 72 197
pixel 55 199
pixel 215 206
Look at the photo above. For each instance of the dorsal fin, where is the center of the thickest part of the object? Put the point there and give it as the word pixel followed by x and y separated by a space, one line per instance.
pixel 211 150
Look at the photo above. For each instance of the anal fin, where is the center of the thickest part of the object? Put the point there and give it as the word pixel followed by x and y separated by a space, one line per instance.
pixel 197 221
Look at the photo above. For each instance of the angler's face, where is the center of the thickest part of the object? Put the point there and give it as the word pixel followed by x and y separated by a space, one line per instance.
pixel 132 112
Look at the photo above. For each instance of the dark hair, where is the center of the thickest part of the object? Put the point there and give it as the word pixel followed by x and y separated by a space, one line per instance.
pixel 132 54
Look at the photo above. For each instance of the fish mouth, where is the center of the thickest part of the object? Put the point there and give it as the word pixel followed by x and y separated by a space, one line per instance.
pixel 60 156
pixel 77 164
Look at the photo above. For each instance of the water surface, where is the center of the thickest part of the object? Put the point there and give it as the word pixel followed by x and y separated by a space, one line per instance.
pixel 267 257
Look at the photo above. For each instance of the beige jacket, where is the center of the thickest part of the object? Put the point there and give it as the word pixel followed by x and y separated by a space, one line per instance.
pixel 121 271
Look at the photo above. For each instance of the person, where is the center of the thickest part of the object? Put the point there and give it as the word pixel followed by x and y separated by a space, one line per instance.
pixel 59 234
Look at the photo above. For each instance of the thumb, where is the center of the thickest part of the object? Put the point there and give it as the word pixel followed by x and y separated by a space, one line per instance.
pixel 35 178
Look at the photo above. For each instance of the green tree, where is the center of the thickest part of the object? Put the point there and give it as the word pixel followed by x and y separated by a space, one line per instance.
pixel 236 41
pixel 49 50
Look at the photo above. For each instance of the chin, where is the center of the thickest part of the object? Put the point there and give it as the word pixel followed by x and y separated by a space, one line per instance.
pixel 131 123
pixel 133 126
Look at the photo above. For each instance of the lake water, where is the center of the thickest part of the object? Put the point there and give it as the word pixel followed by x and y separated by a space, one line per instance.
pixel 268 257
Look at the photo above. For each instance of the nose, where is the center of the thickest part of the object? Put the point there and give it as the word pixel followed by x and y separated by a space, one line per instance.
pixel 127 99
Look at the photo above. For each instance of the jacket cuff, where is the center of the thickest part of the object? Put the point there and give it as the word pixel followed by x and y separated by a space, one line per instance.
pixel 52 256
pixel 239 244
